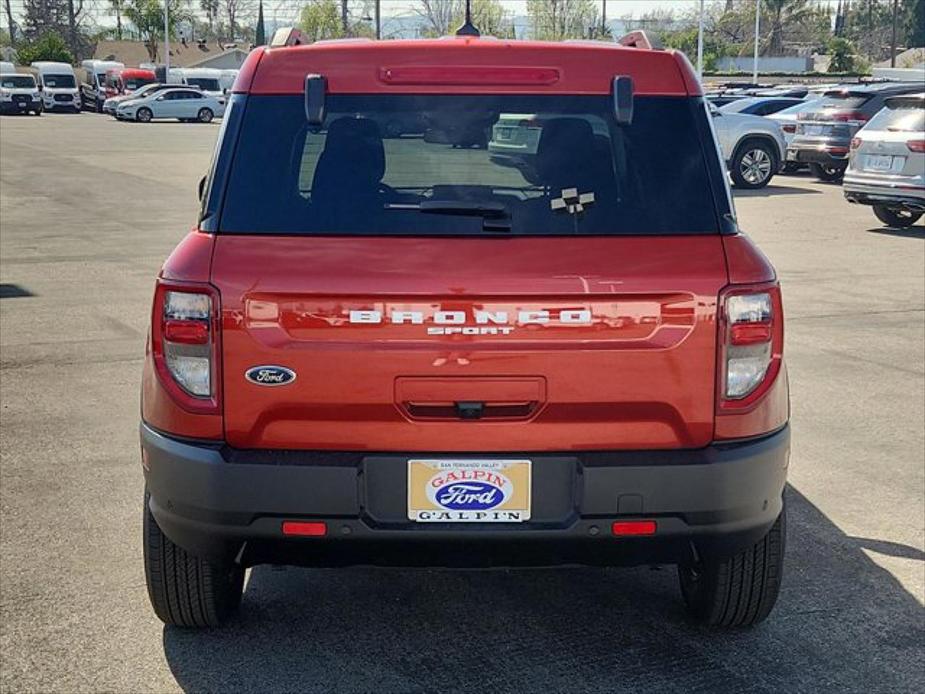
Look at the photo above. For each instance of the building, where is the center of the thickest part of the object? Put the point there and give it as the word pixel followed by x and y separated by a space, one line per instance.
pixel 182 54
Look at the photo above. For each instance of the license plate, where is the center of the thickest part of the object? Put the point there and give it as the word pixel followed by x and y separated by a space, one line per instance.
pixel 879 162
pixel 469 491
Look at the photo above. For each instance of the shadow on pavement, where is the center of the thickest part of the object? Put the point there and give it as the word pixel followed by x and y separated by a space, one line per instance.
pixel 842 624
pixel 913 232
pixel 772 190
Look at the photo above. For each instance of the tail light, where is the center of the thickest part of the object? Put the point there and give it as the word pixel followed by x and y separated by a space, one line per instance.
pixel 185 344
pixel 752 331
pixel 916 146
pixel 789 128
pixel 856 142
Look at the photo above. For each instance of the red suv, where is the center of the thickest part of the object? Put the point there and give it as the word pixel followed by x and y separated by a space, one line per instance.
pixel 386 344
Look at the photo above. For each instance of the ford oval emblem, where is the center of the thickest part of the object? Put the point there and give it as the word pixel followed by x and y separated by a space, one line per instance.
pixel 469 496
pixel 270 375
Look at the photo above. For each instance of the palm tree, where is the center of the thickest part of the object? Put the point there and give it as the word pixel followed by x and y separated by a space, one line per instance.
pixel 785 15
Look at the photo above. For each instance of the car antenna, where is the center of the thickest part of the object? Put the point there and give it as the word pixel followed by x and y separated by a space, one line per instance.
pixel 468 29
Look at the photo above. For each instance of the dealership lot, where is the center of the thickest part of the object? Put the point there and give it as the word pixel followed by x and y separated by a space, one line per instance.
pixel 90 208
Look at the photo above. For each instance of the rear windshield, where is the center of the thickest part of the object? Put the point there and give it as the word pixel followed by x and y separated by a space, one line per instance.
pixel 447 165
pixel 59 81
pixel 842 101
pixel 133 83
pixel 902 117
pixel 17 81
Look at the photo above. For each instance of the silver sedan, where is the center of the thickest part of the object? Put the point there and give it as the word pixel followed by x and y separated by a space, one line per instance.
pixel 182 103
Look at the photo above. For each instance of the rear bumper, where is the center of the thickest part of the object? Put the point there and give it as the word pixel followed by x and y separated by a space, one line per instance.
pixel 229 505
pixel 907 195
pixel 829 152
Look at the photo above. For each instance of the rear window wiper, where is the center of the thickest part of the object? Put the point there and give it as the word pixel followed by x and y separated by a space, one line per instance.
pixel 495 215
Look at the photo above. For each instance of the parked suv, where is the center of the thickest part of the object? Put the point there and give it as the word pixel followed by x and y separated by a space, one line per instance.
pixel 823 134
pixel 752 146
pixel 397 351
pixel 886 168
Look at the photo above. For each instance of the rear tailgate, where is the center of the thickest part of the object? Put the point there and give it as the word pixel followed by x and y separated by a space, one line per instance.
pixel 548 343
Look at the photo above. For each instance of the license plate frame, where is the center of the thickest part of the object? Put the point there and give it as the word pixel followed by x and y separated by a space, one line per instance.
pixel 461 490
pixel 879 162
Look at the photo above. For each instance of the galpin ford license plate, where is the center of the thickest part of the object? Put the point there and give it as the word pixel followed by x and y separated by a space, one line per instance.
pixel 469 491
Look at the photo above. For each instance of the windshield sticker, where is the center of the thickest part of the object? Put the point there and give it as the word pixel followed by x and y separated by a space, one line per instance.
pixel 571 201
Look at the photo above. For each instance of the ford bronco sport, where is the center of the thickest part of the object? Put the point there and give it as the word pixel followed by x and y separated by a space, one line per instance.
pixel 406 350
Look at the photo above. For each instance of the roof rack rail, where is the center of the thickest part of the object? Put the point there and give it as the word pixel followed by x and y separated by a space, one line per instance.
pixel 288 36
pixel 639 39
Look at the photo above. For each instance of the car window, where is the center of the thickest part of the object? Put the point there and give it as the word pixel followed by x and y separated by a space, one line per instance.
pixel 432 165
pixel 904 117
pixel 17 81
pixel 59 81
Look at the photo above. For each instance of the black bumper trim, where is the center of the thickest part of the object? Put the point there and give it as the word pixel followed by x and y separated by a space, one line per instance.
pixel 718 499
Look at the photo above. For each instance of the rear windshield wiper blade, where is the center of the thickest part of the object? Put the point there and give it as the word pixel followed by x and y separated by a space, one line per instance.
pixel 496 215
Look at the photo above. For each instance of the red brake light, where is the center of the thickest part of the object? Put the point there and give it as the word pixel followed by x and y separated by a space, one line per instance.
pixel 305 528
pixel 847 116
pixel 752 339
pixel 509 75
pixel 185 344
pixel 634 528
pixel 916 146
pixel 789 128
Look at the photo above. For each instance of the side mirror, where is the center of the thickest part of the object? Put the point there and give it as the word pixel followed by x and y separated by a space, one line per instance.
pixel 202 187
pixel 160 98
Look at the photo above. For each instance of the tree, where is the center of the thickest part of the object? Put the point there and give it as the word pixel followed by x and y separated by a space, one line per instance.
pixel 234 9
pixel 843 56
pixel 444 17
pixel 63 17
pixel 211 8
pixel 260 34
pixel 439 15
pixel 321 20
pixel 148 18
pixel 554 20
pixel 115 8
pixel 785 16
pixel 9 22
pixel 49 47
pixel 914 24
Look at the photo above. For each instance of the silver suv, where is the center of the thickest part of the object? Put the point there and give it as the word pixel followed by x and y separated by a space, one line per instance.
pixel 886 168
pixel 752 146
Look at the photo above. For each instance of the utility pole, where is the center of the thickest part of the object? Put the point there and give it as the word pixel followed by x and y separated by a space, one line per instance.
pixel 166 41
pixel 378 19
pixel 603 18
pixel 700 43
pixel 343 15
pixel 757 30
pixel 893 38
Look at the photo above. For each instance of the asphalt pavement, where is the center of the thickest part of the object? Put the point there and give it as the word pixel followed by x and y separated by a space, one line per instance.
pixel 89 208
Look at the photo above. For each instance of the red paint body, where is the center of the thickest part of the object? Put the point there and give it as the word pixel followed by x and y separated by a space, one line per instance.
pixel 642 374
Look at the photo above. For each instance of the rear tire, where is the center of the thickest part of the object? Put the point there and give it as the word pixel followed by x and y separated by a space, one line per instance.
pixel 184 590
pixel 741 590
pixel 753 165
pixel 205 115
pixel 898 219
pixel 828 173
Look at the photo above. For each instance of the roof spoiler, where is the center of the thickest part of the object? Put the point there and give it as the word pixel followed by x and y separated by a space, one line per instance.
pixel 640 39
pixel 288 36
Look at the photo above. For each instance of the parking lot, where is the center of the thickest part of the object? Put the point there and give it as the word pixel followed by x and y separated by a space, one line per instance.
pixel 90 208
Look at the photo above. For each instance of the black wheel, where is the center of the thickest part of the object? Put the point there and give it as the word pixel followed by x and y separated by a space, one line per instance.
pixel 754 164
pixel 898 219
pixel 185 590
pixel 205 115
pixel 144 115
pixel 741 590
pixel 829 173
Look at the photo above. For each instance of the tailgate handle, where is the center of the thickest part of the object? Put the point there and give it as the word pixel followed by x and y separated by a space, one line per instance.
pixel 471 410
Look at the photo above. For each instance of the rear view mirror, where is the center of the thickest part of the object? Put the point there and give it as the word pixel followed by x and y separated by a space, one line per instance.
pixel 202 187
pixel 623 99
pixel 315 88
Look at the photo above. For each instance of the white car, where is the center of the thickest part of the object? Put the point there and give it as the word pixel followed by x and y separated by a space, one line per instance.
pixel 182 103
pixel 752 146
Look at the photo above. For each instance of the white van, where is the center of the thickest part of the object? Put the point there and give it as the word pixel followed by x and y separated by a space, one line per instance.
pixel 93 87
pixel 6 67
pixel 19 94
pixel 58 85
pixel 227 79
pixel 207 79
